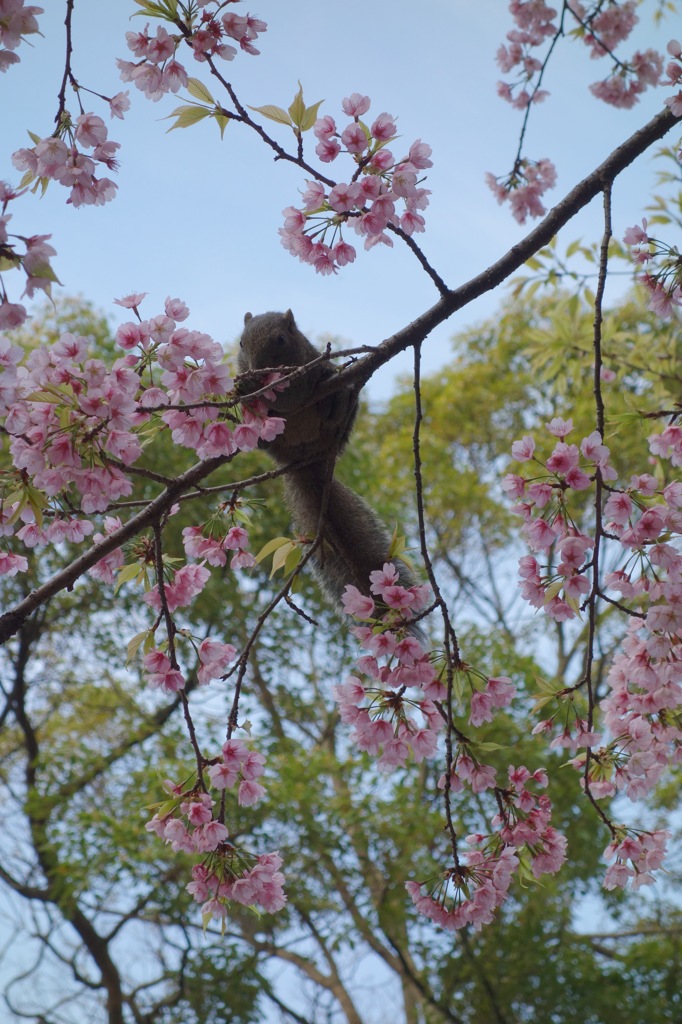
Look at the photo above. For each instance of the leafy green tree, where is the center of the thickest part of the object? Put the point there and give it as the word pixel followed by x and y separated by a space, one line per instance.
pixel 84 746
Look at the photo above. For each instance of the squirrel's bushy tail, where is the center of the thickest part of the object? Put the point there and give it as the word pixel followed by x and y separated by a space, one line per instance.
pixel 355 542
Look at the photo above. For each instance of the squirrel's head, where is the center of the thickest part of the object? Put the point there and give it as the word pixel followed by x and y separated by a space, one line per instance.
pixel 270 339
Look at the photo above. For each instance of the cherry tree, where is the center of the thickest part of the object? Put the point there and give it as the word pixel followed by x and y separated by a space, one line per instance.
pixel 81 430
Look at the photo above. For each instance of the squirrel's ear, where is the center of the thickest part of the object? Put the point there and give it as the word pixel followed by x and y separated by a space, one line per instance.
pixel 247 317
pixel 289 319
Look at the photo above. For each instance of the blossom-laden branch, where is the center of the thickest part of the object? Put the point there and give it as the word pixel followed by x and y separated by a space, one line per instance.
pixel 602 29
pixel 641 712
pixel 77 429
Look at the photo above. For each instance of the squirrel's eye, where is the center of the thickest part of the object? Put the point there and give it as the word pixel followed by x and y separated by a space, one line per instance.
pixel 241 344
pixel 281 339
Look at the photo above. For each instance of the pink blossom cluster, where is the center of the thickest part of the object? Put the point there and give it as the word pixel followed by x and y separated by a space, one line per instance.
pixel 224 877
pixel 535 23
pixel 381 715
pixel 542 504
pixel 75 426
pixel 642 711
pixel 34 260
pixel 188 824
pixel 523 187
pixel 108 566
pixel 664 283
pixel 674 72
pixel 16 20
pixel 646 853
pixel 160 673
pixel 193 369
pixel 604 27
pixel 497 692
pixel 623 87
pixel 239 764
pixel 469 893
pixel 214 547
pixel 63 158
pixel 369 202
pixel 214 657
pixel 158 70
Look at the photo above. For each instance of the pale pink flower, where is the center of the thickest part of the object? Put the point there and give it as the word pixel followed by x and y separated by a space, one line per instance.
pixel 383 128
pixel 131 301
pixel 119 103
pixel 249 793
pixel 355 105
pixel 523 450
pixel 353 138
pixel 560 427
pixel 90 130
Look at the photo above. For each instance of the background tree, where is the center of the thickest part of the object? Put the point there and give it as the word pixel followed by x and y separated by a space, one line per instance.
pixel 84 744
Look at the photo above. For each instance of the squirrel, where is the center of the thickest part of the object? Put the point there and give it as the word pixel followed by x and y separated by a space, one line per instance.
pixel 354 539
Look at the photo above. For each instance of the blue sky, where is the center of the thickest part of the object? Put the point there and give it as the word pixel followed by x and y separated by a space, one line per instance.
pixel 198 218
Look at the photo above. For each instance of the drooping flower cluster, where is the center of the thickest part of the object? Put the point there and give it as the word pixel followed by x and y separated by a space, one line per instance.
pixel 542 503
pixel 75 426
pixel 642 523
pixel 535 23
pixel 646 853
pixel 674 72
pixel 31 254
pixel 158 70
pixel 602 28
pixel 214 656
pixel 381 715
pixel 225 876
pixel 369 202
pixel 471 891
pixel 16 20
pixel 523 187
pixel 73 155
pixel 623 87
pixel 188 823
pixel 377 703
pixel 663 276
pixel 605 26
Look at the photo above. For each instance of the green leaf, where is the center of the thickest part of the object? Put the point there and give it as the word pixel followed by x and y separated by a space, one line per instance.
pixel 135 644
pixel 281 555
pixel 297 107
pixel 196 88
pixel 552 590
pixel 127 573
pixel 166 9
pixel 9 262
pixel 273 113
pixel 38 501
pixel 223 121
pixel 27 179
pixel 310 116
pixel 45 272
pixel 293 559
pixel 271 546
pixel 187 116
